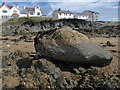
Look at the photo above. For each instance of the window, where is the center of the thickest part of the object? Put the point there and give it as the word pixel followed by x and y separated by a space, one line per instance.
pixel 4 11
pixel 37 7
pixel 38 13
pixel 66 14
pixel 31 13
pixel 5 16
pixel 60 14
pixel 14 11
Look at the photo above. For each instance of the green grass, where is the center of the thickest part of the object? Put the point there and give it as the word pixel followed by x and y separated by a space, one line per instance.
pixel 24 19
pixel 109 23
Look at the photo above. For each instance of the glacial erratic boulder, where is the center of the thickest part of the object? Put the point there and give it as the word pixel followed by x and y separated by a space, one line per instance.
pixel 71 46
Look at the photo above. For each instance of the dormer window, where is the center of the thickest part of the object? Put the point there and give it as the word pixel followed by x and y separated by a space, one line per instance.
pixel 65 13
pixel 31 13
pixel 37 7
pixel 14 11
pixel 4 11
pixel 38 13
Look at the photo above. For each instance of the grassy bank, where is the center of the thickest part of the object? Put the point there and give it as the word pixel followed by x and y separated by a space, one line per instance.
pixel 24 19
pixel 109 23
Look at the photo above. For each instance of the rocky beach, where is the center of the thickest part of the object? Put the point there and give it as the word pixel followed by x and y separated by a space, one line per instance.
pixel 60 54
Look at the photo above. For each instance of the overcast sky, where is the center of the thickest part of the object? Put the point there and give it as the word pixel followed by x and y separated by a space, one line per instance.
pixel 108 10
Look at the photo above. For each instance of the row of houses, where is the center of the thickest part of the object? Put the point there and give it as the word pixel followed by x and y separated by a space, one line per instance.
pixel 86 15
pixel 7 11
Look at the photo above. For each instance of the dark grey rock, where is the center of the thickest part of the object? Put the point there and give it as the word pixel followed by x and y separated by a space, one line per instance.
pixel 82 70
pixel 24 63
pixel 47 67
pixel 60 82
pixel 4 64
pixel 109 44
pixel 69 82
pixel 76 71
pixel 28 38
pixel 71 46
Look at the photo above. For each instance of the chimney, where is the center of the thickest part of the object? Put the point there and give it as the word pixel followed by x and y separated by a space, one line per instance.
pixel 3 4
pixel 23 7
pixel 59 9
pixel 17 6
pixel 35 6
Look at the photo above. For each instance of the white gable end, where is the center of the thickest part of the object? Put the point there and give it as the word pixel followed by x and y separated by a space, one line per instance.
pixel 5 11
pixel 14 10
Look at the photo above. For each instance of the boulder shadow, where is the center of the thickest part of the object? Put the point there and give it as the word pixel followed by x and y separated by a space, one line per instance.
pixel 24 63
pixel 67 67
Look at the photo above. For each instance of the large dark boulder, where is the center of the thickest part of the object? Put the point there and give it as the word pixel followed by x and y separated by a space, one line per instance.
pixel 71 46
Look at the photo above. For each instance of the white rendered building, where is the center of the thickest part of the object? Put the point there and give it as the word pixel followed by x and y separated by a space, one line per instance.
pixel 7 11
pixel 32 12
pixel 62 14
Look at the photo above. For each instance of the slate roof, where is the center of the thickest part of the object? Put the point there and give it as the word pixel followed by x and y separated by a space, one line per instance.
pixel 90 11
pixel 63 11
pixel 80 14
pixel 30 9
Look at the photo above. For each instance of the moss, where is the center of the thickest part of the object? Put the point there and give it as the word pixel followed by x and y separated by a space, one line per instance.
pixel 24 19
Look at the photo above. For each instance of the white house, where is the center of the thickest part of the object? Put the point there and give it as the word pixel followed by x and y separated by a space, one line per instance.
pixel 80 16
pixel 62 14
pixel 7 11
pixel 92 16
pixel 32 12
pixel 86 15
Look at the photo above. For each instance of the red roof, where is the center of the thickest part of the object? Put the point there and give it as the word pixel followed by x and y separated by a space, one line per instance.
pixel 6 5
pixel 15 14
pixel 9 6
pixel 0 6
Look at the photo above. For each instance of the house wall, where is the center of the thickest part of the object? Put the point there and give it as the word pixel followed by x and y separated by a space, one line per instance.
pixel 37 10
pixel 80 16
pixel 92 16
pixel 63 15
pixel 14 8
pixel 9 11
pixel 23 15
pixel 34 12
pixel 95 16
pixel 8 14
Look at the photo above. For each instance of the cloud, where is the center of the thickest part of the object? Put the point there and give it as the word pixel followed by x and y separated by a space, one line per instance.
pixel 84 5
pixel 47 10
pixel 114 19
pixel 108 10
pixel 60 0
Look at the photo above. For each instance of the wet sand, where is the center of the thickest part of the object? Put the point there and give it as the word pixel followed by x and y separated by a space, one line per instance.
pixel 9 46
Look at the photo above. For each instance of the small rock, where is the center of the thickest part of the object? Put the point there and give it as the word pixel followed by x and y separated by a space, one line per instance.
pixel 92 71
pixel 76 71
pixel 60 82
pixel 4 64
pixel 109 44
pixel 47 67
pixel 113 51
pixel 82 70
